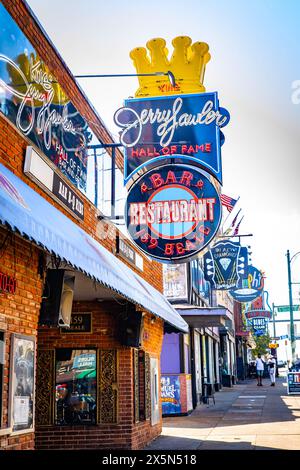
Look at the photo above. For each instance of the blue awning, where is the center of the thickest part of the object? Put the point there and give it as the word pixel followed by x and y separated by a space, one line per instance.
pixel 29 214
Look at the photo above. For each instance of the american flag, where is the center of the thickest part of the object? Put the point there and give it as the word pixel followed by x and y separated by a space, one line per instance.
pixel 228 202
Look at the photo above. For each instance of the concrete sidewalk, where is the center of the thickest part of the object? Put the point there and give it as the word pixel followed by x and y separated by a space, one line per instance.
pixel 244 417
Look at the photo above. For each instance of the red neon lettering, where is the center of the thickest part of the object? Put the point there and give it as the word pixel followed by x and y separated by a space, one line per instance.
pixel 204 230
pixel 153 243
pixel 189 246
pixel 145 238
pixel 134 153
pixel 183 148
pixel 11 285
pixel 171 178
pixel 208 147
pixel 186 178
pixel 156 180
pixel 200 184
pixel 140 232
pixel 180 249
pixel 4 282
pixel 169 249
pixel 144 188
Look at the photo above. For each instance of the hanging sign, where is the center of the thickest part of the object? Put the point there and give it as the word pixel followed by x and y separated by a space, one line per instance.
pixel 198 282
pixel 259 308
pixel 258 314
pixel 293 383
pixel 258 326
pixel 185 127
pixel 224 264
pixel 32 99
pixel 172 212
pixel 249 287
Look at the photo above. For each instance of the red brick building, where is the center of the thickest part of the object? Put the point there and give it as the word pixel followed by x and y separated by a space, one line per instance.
pixel 96 384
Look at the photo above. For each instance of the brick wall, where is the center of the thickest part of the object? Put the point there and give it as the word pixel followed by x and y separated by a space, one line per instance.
pixel 18 313
pixel 124 434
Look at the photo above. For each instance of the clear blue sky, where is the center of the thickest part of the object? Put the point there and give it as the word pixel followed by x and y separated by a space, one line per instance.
pixel 255 48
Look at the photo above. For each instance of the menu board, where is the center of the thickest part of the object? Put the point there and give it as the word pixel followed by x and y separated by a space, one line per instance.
pixel 293 383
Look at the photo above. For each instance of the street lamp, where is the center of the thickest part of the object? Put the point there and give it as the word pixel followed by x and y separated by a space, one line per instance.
pixel 289 260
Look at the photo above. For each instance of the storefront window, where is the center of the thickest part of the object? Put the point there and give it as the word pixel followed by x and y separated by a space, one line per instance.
pixel 76 390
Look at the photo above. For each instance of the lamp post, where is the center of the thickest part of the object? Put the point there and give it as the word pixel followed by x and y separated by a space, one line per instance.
pixel 293 343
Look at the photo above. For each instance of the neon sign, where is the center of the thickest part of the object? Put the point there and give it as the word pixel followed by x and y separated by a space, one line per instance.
pixel 249 287
pixel 32 99
pixel 187 126
pixel 173 212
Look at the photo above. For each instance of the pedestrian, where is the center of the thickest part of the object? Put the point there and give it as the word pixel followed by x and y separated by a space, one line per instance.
pixel 260 365
pixel 272 369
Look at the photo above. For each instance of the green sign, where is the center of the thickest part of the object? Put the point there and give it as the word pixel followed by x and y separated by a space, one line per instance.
pixel 286 308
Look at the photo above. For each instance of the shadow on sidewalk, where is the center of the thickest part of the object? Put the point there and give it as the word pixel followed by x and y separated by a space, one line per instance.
pixel 183 443
pixel 245 403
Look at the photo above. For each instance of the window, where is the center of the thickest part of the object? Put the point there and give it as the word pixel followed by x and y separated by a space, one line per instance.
pixel 76 386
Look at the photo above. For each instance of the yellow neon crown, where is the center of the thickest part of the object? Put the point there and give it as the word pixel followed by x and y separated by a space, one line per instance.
pixel 187 64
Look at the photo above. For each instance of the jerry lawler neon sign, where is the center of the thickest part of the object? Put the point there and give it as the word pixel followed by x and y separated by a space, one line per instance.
pixel 186 125
pixel 168 121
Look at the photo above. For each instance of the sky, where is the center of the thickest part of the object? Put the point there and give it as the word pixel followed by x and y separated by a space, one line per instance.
pixel 254 67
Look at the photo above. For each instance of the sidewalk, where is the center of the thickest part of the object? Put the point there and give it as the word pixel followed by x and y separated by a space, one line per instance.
pixel 244 417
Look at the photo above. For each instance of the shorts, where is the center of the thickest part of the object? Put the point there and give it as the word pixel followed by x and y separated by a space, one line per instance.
pixel 260 373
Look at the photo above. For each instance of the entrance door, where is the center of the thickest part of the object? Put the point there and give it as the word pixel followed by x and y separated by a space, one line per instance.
pixel 155 390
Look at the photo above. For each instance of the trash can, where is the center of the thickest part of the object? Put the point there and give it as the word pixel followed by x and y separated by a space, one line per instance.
pixel 226 380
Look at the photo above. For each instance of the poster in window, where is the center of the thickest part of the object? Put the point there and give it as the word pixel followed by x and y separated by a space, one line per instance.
pixel 175 281
pixel 170 394
pixel 22 383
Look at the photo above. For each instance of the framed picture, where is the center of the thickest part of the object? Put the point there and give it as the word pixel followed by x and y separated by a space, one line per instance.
pixel 22 383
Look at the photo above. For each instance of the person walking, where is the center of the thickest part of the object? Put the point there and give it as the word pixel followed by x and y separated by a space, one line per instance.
pixel 272 369
pixel 260 365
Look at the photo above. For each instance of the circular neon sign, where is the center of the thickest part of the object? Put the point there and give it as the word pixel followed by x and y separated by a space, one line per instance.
pixel 250 287
pixel 172 212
